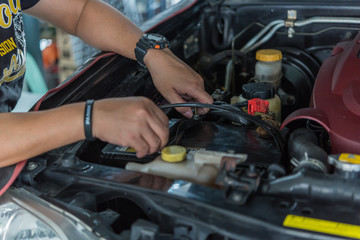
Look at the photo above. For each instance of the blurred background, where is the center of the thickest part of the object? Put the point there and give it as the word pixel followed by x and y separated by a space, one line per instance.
pixel 53 55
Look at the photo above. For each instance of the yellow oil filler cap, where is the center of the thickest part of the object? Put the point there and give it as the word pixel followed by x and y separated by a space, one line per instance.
pixel 173 154
pixel 268 55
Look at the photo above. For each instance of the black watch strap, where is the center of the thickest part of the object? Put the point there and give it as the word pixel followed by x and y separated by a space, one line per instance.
pixel 149 40
pixel 141 49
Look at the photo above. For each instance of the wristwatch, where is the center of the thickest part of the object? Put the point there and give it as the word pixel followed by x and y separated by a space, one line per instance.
pixel 149 40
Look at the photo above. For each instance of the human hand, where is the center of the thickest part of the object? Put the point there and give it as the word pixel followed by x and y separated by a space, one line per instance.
pixel 134 122
pixel 175 80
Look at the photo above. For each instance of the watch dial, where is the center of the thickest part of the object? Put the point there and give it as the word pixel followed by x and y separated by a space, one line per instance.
pixel 154 37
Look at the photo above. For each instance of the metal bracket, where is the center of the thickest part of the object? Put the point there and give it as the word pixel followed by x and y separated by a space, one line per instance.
pixel 240 183
pixel 191 46
pixel 290 22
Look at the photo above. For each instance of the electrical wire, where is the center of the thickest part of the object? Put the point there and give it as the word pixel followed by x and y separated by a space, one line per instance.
pixel 183 125
pixel 237 115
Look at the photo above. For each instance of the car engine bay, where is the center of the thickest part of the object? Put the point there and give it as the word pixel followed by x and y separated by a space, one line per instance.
pixel 280 142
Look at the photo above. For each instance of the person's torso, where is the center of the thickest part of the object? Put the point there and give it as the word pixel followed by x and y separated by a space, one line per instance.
pixel 12 62
pixel 12 52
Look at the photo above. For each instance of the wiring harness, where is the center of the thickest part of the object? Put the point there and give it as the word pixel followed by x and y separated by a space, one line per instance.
pixel 235 114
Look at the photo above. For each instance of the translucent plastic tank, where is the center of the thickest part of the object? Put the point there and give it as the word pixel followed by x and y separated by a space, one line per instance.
pixel 198 166
pixel 268 67
pixel 263 90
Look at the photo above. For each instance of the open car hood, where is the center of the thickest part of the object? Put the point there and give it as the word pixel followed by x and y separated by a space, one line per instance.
pixel 300 182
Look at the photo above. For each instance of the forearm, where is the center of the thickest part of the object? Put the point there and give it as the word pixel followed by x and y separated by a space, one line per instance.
pixel 114 32
pixel 107 29
pixel 96 23
pixel 24 135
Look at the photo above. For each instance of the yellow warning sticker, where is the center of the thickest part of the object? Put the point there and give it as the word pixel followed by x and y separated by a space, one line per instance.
pixel 125 149
pixel 349 158
pixel 322 226
pixel 130 149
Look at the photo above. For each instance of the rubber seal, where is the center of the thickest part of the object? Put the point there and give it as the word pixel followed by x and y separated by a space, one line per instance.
pixel 88 119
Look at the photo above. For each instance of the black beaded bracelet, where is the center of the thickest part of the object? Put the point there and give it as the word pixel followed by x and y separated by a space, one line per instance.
pixel 88 119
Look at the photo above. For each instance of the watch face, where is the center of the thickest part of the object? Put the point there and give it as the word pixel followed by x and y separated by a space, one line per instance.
pixel 155 37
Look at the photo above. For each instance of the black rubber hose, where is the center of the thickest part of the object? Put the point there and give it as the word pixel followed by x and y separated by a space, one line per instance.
pixel 221 40
pixel 312 186
pixel 303 145
pixel 227 54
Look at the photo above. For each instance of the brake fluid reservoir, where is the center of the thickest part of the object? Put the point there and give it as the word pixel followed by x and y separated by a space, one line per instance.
pixel 263 91
pixel 268 67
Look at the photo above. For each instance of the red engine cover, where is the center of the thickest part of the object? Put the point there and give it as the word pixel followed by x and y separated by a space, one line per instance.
pixel 335 100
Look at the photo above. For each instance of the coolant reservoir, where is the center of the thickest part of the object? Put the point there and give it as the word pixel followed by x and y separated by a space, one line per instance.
pixel 268 67
pixel 199 167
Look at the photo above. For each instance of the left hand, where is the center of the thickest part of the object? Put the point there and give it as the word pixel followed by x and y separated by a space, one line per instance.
pixel 175 80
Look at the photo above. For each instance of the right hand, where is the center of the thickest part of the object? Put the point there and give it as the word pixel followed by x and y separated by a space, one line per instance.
pixel 133 122
pixel 176 81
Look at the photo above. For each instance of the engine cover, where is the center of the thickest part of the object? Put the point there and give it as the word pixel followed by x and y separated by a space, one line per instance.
pixel 335 102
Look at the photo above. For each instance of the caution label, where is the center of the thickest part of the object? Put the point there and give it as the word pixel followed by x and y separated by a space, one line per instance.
pixel 125 149
pixel 322 226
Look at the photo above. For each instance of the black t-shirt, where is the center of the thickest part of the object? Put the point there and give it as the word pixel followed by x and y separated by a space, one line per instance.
pixel 12 60
pixel 12 51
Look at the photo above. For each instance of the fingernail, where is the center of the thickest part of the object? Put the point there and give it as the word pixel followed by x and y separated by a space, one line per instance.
pixel 188 114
